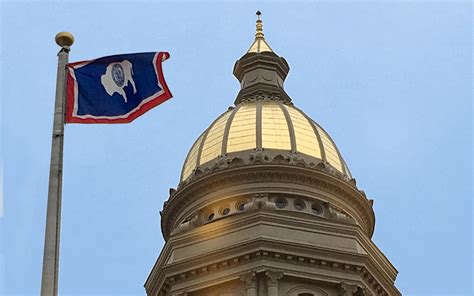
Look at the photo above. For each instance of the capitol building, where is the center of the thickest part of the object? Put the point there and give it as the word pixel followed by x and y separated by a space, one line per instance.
pixel 266 204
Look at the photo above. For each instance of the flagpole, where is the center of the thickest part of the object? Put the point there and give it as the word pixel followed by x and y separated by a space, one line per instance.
pixel 49 280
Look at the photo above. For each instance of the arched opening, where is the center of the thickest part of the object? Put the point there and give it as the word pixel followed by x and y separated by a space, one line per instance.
pixel 306 290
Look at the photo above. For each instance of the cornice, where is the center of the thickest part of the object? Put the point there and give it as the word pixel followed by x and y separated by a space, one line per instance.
pixel 330 269
pixel 238 223
pixel 265 156
pixel 374 260
pixel 344 194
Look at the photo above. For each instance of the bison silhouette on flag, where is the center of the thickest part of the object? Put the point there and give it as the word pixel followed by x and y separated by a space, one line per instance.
pixel 116 77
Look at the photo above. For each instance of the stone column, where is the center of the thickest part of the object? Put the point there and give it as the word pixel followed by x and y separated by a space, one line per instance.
pixel 250 283
pixel 272 282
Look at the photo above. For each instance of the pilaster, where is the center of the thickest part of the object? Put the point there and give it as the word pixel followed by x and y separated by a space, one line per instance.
pixel 250 280
pixel 273 277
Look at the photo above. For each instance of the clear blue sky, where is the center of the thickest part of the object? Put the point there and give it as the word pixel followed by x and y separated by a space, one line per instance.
pixel 390 81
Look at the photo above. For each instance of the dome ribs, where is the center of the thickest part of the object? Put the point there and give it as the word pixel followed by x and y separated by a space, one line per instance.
pixel 227 129
pixel 186 171
pixel 315 130
pixel 291 128
pixel 341 160
pixel 206 133
pixel 262 125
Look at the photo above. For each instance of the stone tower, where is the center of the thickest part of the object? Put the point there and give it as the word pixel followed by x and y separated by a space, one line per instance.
pixel 266 204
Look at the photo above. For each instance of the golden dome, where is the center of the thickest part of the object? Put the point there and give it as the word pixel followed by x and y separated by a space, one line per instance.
pixel 271 126
pixel 264 126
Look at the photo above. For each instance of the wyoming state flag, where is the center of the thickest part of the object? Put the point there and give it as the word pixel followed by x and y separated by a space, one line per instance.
pixel 115 89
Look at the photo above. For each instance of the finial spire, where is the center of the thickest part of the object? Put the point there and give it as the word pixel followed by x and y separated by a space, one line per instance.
pixel 259 32
pixel 261 72
pixel 259 45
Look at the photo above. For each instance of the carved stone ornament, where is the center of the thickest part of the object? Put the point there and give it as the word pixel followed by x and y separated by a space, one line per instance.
pixel 346 289
pixel 249 279
pixel 339 215
pixel 361 291
pixel 347 197
pixel 260 156
pixel 264 96
pixel 260 201
pixel 273 277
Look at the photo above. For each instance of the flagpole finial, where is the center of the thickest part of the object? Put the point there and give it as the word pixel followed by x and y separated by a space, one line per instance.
pixel 259 33
pixel 64 39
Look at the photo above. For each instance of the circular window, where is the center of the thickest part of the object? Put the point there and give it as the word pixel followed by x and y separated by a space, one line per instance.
pixel 299 205
pixel 316 209
pixel 225 211
pixel 210 217
pixel 281 203
pixel 241 207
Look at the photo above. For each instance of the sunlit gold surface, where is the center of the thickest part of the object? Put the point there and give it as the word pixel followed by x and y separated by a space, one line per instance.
pixel 306 140
pixel 213 145
pixel 331 153
pixel 260 45
pixel 242 133
pixel 275 133
pixel 191 161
